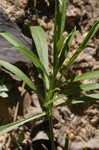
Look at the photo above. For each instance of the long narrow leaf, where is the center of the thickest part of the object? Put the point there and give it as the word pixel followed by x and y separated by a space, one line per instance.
pixel 60 13
pixel 73 91
pixel 60 16
pixel 40 40
pixel 84 43
pixel 87 98
pixel 68 42
pixel 77 89
pixel 65 50
pixel 9 127
pixel 15 70
pixel 54 99
pixel 41 44
pixel 87 76
pixel 60 43
pixel 24 50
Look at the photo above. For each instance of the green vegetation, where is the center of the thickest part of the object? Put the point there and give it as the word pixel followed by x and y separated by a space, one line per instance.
pixel 52 82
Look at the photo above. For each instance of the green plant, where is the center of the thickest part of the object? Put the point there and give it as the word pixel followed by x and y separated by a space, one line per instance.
pixel 52 82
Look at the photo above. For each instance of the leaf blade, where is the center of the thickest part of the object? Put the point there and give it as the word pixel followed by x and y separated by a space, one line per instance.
pixel 84 87
pixel 60 96
pixel 65 50
pixel 9 127
pixel 18 73
pixel 82 99
pixel 60 16
pixel 41 44
pixel 23 50
pixel 89 36
pixel 40 40
pixel 87 76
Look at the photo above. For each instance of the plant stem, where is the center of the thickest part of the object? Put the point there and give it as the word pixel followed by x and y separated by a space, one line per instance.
pixel 50 114
pixel 51 135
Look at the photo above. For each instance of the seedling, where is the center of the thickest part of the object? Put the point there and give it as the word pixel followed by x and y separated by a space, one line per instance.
pixel 52 82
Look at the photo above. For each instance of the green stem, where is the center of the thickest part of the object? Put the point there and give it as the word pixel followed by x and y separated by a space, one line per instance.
pixel 50 114
pixel 51 135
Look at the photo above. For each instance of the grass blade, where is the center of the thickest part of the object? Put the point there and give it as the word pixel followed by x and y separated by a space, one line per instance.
pixel 24 50
pixel 87 76
pixel 9 127
pixel 60 15
pixel 65 50
pixel 84 76
pixel 60 43
pixel 73 91
pixel 15 70
pixel 82 99
pixel 77 89
pixel 84 43
pixel 40 40
pixel 54 99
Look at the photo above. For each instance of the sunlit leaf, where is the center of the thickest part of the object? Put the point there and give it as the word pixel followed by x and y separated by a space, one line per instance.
pixel 40 39
pixel 23 50
pixel 87 76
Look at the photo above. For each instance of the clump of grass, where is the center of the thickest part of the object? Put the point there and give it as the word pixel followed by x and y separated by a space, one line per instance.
pixel 52 87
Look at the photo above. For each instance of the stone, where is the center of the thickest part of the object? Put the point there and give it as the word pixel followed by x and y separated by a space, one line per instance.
pixel 7 51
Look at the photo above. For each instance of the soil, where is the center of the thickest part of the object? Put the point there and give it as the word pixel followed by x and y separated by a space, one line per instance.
pixel 80 122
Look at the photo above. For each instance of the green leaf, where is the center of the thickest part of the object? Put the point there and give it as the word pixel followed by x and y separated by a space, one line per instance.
pixel 60 13
pixel 18 73
pixel 82 99
pixel 9 127
pixel 77 89
pixel 84 76
pixel 40 39
pixel 68 42
pixel 84 43
pixel 60 16
pixel 87 76
pixel 60 43
pixel 55 98
pixel 24 50
pixel 72 92
pixel 65 49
